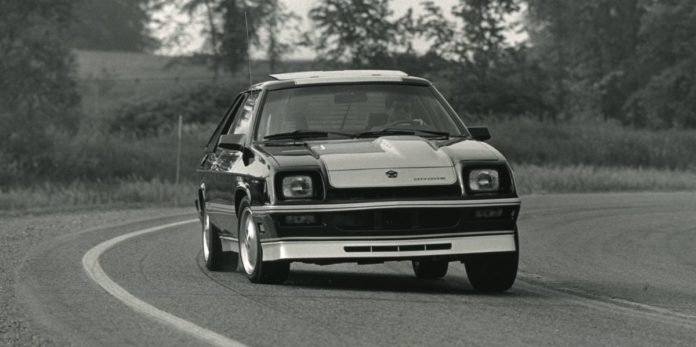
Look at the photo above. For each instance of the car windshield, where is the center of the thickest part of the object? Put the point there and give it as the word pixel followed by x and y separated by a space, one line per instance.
pixel 364 110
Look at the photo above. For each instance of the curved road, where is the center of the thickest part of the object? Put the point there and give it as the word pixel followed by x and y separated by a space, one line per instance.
pixel 609 269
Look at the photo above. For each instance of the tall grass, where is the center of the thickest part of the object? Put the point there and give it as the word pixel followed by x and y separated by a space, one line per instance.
pixel 95 168
pixel 529 141
pixel 534 179
pixel 48 195
pixel 531 179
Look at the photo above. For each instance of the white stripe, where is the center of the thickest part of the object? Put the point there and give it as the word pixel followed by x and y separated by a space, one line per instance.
pixel 398 237
pixel 90 262
pixel 386 204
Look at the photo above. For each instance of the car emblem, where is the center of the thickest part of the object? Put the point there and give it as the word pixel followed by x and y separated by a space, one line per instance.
pixel 392 174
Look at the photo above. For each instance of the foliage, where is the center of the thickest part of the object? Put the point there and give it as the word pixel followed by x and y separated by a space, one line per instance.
pixel 38 100
pixel 225 28
pixel 88 194
pixel 108 25
pixel 278 21
pixel 489 76
pixel 540 179
pixel 530 179
pixel 600 143
pixel 667 57
pixel 361 33
pixel 205 103
pixel 629 60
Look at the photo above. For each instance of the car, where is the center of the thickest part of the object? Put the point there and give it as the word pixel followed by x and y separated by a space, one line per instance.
pixel 361 166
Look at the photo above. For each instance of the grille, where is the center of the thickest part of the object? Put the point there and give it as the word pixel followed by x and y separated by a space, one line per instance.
pixel 392 193
pixel 397 219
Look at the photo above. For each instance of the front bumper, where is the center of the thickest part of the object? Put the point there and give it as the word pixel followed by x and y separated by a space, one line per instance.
pixel 388 230
pixel 388 249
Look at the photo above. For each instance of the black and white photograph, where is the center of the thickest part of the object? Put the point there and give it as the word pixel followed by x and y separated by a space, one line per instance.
pixel 347 173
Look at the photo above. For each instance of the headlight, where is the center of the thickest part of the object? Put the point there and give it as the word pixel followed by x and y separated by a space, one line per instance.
pixel 484 180
pixel 297 187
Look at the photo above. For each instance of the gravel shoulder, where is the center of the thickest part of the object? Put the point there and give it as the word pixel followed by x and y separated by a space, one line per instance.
pixel 19 233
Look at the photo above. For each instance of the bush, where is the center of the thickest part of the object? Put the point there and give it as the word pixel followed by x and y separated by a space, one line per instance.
pixel 205 103
pixel 529 141
pixel 96 156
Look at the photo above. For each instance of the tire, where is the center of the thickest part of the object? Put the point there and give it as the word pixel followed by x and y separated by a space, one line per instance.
pixel 429 269
pixel 492 272
pixel 251 253
pixel 215 258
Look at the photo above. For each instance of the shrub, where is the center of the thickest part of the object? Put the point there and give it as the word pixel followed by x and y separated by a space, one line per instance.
pixel 204 103
pixel 529 141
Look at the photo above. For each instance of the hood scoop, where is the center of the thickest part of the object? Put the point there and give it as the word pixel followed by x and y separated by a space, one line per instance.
pixel 390 161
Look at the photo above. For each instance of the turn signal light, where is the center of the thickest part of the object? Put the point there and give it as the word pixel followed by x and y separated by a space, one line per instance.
pixel 489 213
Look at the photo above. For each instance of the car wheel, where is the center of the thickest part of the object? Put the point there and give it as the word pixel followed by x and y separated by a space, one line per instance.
pixel 493 272
pixel 257 270
pixel 429 268
pixel 215 258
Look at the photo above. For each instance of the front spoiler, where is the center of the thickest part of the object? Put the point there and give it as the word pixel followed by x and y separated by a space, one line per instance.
pixel 453 245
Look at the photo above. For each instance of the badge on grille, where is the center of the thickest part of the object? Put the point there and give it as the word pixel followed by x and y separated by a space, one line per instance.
pixel 392 174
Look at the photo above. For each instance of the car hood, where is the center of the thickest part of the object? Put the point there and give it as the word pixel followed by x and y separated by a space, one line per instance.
pixel 387 161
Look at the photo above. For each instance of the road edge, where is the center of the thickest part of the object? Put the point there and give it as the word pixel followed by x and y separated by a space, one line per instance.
pixel 91 265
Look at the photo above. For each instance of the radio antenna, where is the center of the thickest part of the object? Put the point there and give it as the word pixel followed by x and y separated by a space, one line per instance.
pixel 246 24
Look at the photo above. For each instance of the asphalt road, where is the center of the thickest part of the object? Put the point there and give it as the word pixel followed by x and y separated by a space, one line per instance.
pixel 599 269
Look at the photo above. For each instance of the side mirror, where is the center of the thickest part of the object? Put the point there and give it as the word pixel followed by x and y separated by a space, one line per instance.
pixel 480 133
pixel 231 142
pixel 236 143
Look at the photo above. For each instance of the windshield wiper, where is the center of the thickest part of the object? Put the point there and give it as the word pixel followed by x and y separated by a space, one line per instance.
pixel 304 134
pixel 398 131
pixel 382 132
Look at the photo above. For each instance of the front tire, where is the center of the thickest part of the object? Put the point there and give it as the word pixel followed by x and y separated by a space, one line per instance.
pixel 215 258
pixel 493 272
pixel 251 253
pixel 429 269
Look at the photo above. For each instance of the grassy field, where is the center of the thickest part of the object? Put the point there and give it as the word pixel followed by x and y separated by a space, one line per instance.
pixel 106 79
pixel 98 167
pixel 535 179
pixel 80 194
pixel 571 143
pixel 531 179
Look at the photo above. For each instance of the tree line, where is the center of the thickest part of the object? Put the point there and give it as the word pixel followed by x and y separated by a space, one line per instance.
pixel 629 61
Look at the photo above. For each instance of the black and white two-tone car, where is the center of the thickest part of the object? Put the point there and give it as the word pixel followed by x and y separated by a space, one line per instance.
pixel 358 166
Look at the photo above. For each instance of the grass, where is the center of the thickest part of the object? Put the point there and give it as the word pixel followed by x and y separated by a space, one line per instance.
pixel 536 179
pixel 604 144
pixel 531 179
pixel 107 79
pixel 127 192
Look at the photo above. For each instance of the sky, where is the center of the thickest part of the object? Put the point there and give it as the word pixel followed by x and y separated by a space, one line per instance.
pixel 192 40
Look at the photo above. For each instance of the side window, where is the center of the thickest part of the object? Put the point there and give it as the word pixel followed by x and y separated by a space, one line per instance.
pixel 242 118
pixel 224 123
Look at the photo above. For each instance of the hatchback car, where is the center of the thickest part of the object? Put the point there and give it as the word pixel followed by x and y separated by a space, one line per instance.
pixel 360 166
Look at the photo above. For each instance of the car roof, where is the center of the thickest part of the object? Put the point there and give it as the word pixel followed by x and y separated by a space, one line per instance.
pixel 340 75
pixel 284 80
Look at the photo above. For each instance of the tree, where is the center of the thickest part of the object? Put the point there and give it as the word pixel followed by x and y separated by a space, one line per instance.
pixel 38 98
pixel 225 28
pixel 278 20
pixel 588 47
pixel 360 33
pixel 111 25
pixel 489 75
pixel 664 73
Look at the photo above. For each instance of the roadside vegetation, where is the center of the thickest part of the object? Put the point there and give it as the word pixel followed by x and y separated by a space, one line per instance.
pixel 547 158
pixel 596 96
pixel 531 179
